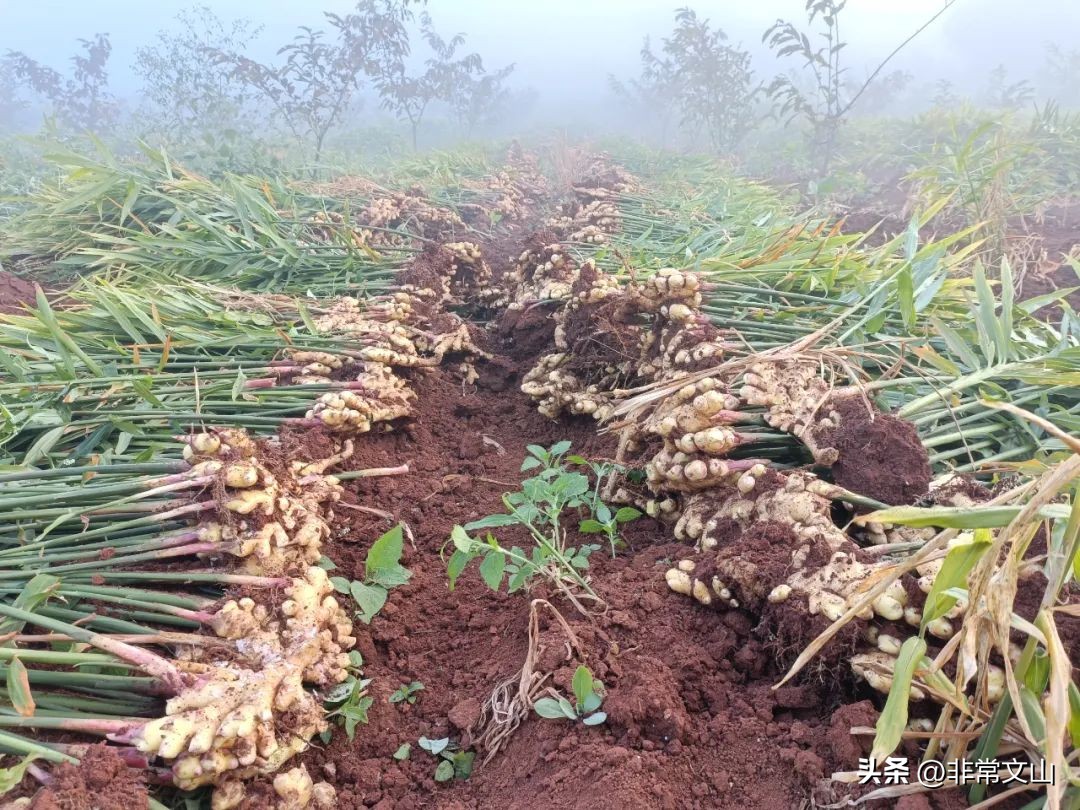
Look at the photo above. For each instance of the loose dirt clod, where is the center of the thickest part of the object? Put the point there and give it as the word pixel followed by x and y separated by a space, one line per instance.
pixel 15 291
pixel 878 455
pixel 101 781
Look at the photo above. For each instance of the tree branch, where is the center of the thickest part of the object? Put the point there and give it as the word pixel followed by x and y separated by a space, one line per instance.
pixel 889 58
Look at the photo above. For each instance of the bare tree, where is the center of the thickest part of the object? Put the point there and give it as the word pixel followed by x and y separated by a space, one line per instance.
pixel 80 101
pixel 481 100
pixel 1001 94
pixel 697 71
pixel 823 107
pixel 883 93
pixel 187 91
pixel 408 96
pixel 319 78
pixel 651 96
pixel 11 103
pixel 826 105
pixel 945 94
pixel 1057 79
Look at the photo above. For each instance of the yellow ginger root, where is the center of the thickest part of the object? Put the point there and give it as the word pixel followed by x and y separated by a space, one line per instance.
pixel 468 268
pixel 794 503
pixel 669 287
pixel 557 390
pixel 589 290
pixel 793 394
pixel 331 228
pixel 228 722
pixel 252 714
pixel 589 221
pixel 595 286
pixel 542 274
pixel 457 341
pixel 408 211
pixel 296 791
pixel 695 407
pixel 316 367
pixel 310 615
pixel 248 712
pixel 682 347
pixel 735 577
pixel 301 468
pixel 292 539
pixel 384 397
pixel 877 667
pixel 826 589
pixel 590 235
pixel 808 568
pixel 378 323
pixel 293 789
pixel 592 213
pixel 218 444
pixel 676 471
pixel 277 526
pixel 623 358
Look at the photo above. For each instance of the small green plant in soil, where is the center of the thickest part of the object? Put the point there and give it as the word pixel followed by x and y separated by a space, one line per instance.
pixel 588 696
pixel 454 763
pixel 407 693
pixel 539 506
pixel 382 571
pixel 603 521
pixel 348 702
pixel 10 777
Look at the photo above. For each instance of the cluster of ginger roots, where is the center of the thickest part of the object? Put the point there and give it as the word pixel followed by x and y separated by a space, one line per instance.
pixel 244 695
pixel 641 356
pixel 249 716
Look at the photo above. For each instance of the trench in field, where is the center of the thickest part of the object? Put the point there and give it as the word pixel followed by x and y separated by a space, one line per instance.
pixel 692 717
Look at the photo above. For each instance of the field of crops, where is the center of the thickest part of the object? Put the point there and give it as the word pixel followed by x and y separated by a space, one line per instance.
pixel 611 478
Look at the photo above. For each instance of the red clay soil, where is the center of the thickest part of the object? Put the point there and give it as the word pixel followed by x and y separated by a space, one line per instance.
pixel 1056 237
pixel 101 781
pixel 15 291
pixel 1049 238
pixel 693 721
pixel 881 455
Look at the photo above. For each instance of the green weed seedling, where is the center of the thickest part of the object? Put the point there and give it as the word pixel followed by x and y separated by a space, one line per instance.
pixel 348 702
pixel 454 763
pixel 602 520
pixel 539 506
pixel 407 693
pixel 588 696
pixel 382 571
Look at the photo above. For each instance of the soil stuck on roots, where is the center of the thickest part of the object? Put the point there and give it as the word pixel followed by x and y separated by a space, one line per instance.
pixel 101 781
pixel 693 720
pixel 881 455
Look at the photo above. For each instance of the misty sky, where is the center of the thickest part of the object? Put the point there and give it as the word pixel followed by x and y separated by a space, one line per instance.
pixel 563 44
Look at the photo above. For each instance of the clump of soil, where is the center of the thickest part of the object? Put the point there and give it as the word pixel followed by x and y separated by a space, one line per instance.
pixel 961 490
pixel 427 269
pixel 15 292
pixel 880 455
pixel 101 781
pixel 528 332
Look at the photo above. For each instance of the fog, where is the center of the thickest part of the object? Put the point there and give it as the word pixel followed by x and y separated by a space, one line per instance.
pixel 565 50
pixel 556 44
